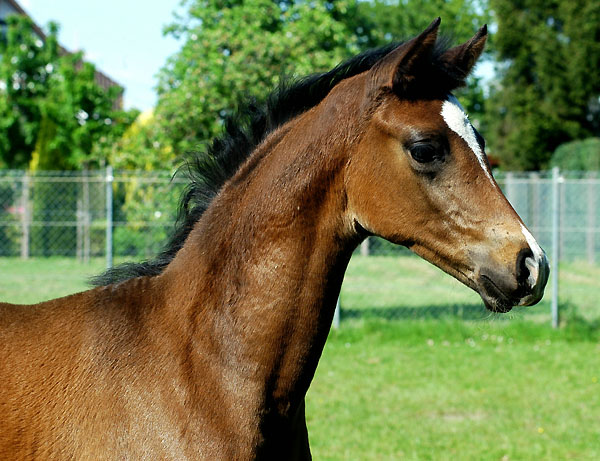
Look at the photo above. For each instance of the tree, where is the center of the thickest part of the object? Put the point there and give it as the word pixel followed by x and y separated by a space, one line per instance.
pixel 239 49
pixel 26 63
pixel 236 49
pixel 53 115
pixel 402 19
pixel 549 53
pixel 580 155
pixel 80 116
pixel 142 146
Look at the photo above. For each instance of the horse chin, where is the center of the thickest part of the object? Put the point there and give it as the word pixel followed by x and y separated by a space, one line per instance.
pixel 493 297
pixel 498 306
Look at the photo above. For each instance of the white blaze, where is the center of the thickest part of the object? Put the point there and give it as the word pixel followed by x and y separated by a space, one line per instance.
pixel 457 120
pixel 533 264
pixel 535 248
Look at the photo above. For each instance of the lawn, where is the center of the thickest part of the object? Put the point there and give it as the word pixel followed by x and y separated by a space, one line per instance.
pixel 452 390
pixel 449 381
pixel 405 287
pixel 40 279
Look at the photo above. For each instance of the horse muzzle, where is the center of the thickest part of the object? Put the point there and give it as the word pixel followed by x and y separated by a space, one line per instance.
pixel 523 286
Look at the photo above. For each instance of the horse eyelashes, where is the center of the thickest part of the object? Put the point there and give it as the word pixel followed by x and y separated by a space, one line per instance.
pixel 426 152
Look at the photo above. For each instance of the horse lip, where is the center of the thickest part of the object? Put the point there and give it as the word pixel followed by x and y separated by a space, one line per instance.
pixel 494 299
pixel 497 306
pixel 532 299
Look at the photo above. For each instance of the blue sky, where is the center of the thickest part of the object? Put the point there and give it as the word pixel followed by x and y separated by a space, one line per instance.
pixel 122 38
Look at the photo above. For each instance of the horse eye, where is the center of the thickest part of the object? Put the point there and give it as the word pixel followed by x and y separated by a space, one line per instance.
pixel 424 153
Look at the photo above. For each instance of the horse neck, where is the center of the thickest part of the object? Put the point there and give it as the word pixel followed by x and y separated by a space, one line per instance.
pixel 261 271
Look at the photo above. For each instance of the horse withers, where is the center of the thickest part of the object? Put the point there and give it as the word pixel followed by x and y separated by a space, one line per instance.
pixel 207 352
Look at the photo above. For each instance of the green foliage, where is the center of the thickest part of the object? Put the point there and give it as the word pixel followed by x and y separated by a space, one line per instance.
pixel 142 146
pixel 82 115
pixel 549 88
pixel 234 50
pixel 583 155
pixel 10 232
pixel 403 19
pixel 239 49
pixel 148 211
pixel 53 115
pixel 26 63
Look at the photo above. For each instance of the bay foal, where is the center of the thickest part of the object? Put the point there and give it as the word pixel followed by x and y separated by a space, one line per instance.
pixel 207 352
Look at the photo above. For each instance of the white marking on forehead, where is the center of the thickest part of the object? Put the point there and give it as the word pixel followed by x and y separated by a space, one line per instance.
pixel 457 120
pixel 535 248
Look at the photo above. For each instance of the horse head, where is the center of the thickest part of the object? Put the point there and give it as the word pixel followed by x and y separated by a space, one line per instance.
pixel 419 176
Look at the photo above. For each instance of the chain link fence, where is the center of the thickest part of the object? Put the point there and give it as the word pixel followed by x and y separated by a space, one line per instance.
pixel 129 215
pixel 67 213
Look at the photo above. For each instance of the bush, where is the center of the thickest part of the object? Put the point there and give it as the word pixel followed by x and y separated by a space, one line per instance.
pixel 581 155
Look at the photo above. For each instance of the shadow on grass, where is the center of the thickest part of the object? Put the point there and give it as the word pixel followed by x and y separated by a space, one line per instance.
pixel 459 311
pixel 573 326
pixel 472 311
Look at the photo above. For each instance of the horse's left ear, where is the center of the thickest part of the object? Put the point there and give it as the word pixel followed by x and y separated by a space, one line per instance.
pixel 462 58
pixel 400 66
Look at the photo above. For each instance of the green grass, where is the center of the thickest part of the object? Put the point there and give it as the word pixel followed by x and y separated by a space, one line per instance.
pixel 384 284
pixel 450 390
pixel 433 386
pixel 39 279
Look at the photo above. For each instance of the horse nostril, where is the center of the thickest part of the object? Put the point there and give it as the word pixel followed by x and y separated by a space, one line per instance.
pixel 526 269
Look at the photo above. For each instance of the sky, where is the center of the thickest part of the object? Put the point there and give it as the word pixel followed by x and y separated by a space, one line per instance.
pixel 123 38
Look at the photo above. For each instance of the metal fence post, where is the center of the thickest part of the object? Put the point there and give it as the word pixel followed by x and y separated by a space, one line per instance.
pixel 87 217
pixel 109 216
pixel 336 315
pixel 364 247
pixel 555 243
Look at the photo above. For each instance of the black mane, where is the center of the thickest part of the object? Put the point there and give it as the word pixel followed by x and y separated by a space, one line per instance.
pixel 209 170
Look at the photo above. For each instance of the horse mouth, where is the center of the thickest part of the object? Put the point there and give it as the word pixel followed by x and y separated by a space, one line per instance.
pixel 494 299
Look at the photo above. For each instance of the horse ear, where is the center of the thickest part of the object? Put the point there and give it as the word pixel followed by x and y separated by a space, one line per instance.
pixel 398 68
pixel 462 58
